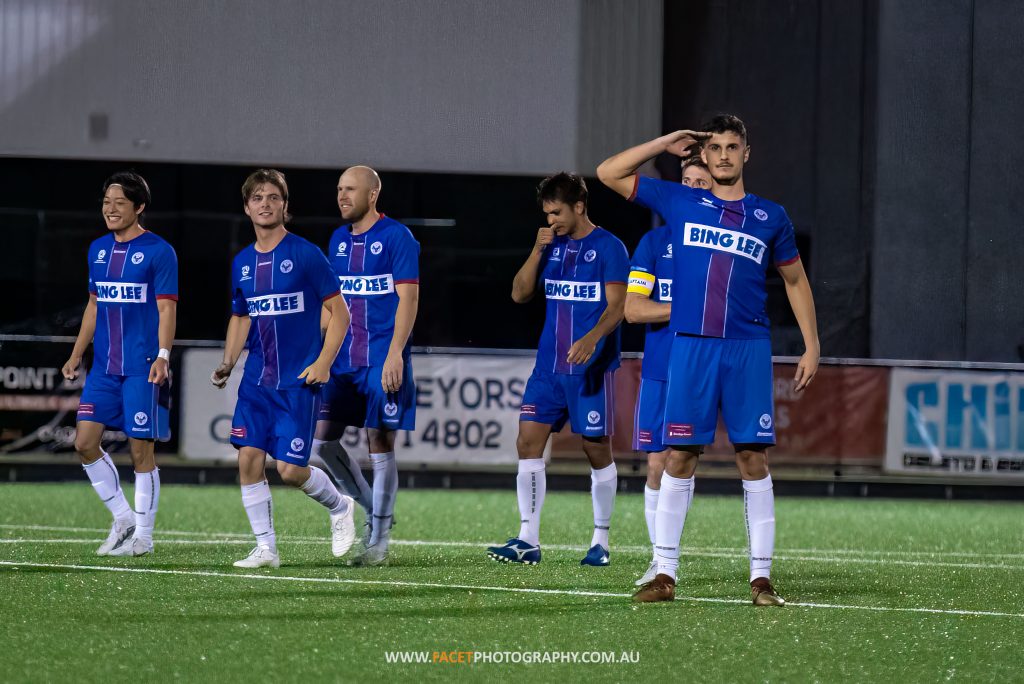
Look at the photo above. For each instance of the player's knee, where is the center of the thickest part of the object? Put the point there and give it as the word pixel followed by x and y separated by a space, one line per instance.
pixel 682 462
pixel 88 449
pixel 655 469
pixel 528 447
pixel 292 475
pixel 752 463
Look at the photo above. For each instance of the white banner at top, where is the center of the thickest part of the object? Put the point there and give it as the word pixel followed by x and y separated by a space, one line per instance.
pixel 968 423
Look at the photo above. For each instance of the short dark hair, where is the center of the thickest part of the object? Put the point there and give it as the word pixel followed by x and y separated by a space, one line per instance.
pixel 726 123
pixel 693 160
pixel 563 187
pixel 262 176
pixel 132 184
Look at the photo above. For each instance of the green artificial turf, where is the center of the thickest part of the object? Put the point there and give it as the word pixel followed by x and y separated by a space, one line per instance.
pixel 860 577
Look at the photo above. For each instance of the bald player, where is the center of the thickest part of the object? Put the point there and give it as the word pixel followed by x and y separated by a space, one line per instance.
pixel 377 262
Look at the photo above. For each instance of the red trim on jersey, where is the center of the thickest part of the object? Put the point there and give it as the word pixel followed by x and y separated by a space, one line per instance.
pixel 167 296
pixel 413 281
pixel 787 263
pixel 245 315
pixel 636 186
pixel 332 295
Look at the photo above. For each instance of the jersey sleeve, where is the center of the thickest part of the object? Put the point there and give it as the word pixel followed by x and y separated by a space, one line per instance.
pixel 641 270
pixel 405 259
pixel 239 307
pixel 321 274
pixel 165 274
pixel 784 251
pixel 89 258
pixel 656 194
pixel 616 265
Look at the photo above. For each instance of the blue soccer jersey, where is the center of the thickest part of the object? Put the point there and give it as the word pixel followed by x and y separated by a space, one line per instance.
pixel 369 266
pixel 722 252
pixel 650 275
pixel 127 279
pixel 282 291
pixel 573 278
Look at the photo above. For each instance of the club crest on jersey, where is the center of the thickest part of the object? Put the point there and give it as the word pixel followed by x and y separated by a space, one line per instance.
pixel 761 214
pixel 276 304
pixel 590 255
pixel 342 247
pixel 141 418
pixel 137 258
pixel 724 240
pixel 245 274
pixel 593 417
pixel 376 248
pixel 297 444
pixel 101 256
pixel 390 409
pixel 571 291
pixel 287 266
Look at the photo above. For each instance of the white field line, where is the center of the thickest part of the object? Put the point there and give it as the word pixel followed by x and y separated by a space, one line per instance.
pixel 724 551
pixel 728 554
pixel 471 588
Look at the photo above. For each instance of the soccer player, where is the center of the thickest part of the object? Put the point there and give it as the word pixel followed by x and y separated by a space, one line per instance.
pixel 279 285
pixel 648 300
pixel 130 320
pixel 723 242
pixel 377 261
pixel 581 270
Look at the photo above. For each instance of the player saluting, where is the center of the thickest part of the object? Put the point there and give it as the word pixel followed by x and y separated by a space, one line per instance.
pixel 723 243
pixel 649 300
pixel 377 261
pixel 581 270
pixel 130 319
pixel 279 284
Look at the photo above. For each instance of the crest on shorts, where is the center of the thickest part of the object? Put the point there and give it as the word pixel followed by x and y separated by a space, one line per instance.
pixel 765 421
pixel 390 409
pixel 594 417
pixel 141 418
pixel 297 444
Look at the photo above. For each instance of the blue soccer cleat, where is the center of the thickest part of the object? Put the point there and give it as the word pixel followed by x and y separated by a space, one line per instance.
pixel 597 556
pixel 515 551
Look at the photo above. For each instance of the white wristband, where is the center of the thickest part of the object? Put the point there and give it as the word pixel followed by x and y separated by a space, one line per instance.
pixel 164 354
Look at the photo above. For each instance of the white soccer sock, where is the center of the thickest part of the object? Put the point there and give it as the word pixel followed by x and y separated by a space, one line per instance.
pixel 320 489
pixel 385 490
pixel 259 507
pixel 603 483
pixel 650 510
pixel 147 498
pixel 673 502
pixel 349 478
pixel 759 510
pixel 103 474
pixel 531 486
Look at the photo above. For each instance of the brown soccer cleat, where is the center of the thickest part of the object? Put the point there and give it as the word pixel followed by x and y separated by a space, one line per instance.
pixel 661 588
pixel 764 593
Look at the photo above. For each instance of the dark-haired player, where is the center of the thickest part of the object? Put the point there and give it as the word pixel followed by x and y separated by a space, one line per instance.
pixel 581 271
pixel 723 242
pixel 130 320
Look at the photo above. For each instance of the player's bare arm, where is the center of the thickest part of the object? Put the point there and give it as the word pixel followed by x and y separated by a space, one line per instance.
pixel 168 310
pixel 524 285
pixel 798 290
pixel 319 371
pixel 642 309
pixel 583 348
pixel 234 342
pixel 405 316
pixel 619 172
pixel 82 342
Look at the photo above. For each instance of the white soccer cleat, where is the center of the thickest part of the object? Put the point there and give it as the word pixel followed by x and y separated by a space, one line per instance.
pixel 120 532
pixel 132 547
pixel 652 572
pixel 259 557
pixel 343 529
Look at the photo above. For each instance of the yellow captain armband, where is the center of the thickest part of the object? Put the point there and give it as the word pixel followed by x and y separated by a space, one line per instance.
pixel 640 283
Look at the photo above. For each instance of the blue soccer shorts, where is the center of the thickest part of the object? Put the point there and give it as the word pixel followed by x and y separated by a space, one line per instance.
pixel 706 373
pixel 357 398
pixel 649 416
pixel 554 398
pixel 127 402
pixel 280 422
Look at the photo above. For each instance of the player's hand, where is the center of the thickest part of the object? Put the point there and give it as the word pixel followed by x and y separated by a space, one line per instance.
pixel 391 374
pixel 581 350
pixel 158 371
pixel 219 377
pixel 70 369
pixel 545 236
pixel 680 142
pixel 316 373
pixel 805 370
